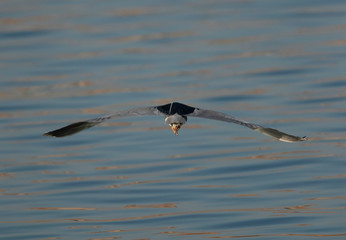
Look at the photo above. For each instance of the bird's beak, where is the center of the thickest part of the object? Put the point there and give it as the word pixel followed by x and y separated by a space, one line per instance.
pixel 175 128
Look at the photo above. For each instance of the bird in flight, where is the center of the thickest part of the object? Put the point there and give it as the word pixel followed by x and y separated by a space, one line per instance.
pixel 175 116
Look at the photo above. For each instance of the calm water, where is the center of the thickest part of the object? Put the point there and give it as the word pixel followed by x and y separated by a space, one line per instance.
pixel 280 63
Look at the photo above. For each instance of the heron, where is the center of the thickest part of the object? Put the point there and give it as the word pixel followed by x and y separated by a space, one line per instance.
pixel 175 115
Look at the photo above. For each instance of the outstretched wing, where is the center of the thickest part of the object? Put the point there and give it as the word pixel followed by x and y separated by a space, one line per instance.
pixel 80 126
pixel 209 114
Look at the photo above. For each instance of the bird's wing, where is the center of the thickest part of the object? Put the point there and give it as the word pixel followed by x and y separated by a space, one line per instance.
pixel 209 114
pixel 80 126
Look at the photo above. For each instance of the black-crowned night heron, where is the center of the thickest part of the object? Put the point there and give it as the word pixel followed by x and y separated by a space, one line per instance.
pixel 175 115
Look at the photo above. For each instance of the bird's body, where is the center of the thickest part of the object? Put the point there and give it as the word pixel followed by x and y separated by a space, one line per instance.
pixel 175 121
pixel 176 116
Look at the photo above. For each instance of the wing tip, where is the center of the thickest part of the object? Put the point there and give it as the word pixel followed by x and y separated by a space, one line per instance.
pixel 292 139
pixel 55 134
pixel 71 129
pixel 305 138
pixel 49 134
pixel 281 136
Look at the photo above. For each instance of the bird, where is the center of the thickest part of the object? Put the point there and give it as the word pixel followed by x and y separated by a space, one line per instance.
pixel 175 115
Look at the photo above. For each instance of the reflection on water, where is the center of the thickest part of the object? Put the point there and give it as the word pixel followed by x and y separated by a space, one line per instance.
pixel 276 63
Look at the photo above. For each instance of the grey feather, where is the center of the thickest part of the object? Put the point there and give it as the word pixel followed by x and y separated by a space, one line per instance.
pixel 209 114
pixel 83 125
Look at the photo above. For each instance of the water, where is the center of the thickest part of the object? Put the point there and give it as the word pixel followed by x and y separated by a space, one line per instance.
pixel 276 63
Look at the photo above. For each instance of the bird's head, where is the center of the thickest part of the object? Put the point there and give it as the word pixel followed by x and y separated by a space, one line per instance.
pixel 175 122
pixel 175 127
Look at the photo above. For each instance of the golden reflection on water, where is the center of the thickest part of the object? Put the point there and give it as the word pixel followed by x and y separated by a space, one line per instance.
pixel 77 179
pixel 136 11
pixel 7 193
pixel 144 182
pixel 279 235
pixel 306 209
pixel 213 153
pixel 286 155
pixel 133 206
pixel 63 90
pixel 5 175
pixel 144 39
pixel 246 195
pixel 177 233
pixel 331 177
pixel 327 198
pixel 336 43
pixel 215 186
pixel 152 36
pixel 106 238
pixel 63 208
pixel 164 205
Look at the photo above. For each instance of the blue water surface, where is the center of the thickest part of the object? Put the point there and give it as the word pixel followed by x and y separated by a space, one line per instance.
pixel 277 63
